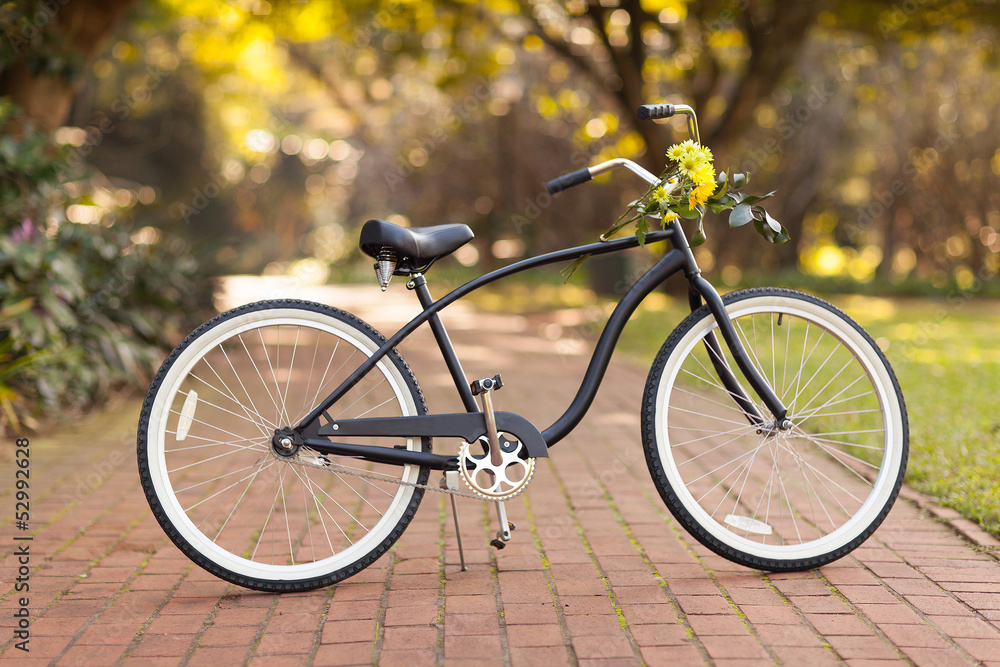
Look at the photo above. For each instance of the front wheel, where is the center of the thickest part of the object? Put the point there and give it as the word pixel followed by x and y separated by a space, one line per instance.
pixel 244 508
pixel 760 496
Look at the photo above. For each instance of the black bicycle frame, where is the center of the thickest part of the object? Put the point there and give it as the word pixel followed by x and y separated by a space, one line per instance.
pixel 679 258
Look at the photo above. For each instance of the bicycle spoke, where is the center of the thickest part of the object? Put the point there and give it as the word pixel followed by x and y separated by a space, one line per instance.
pixel 778 490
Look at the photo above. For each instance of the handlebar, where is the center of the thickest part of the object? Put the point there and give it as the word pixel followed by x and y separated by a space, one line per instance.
pixel 655 111
pixel 569 180
pixel 644 112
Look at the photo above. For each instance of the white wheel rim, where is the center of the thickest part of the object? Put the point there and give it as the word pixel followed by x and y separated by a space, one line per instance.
pixel 162 485
pixel 883 485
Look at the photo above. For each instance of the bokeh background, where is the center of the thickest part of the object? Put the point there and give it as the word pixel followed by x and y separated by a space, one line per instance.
pixel 150 147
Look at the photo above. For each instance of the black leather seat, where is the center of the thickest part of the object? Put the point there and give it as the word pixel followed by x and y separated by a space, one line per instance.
pixel 414 247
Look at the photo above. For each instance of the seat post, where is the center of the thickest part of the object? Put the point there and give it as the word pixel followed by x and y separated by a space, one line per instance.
pixel 418 283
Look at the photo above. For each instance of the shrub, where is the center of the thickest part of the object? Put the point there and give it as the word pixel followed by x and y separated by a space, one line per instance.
pixel 84 308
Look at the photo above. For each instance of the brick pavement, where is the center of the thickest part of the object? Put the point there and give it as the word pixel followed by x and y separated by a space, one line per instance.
pixel 597 572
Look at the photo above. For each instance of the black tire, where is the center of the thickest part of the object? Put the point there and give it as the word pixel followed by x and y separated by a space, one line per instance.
pixel 223 495
pixel 765 498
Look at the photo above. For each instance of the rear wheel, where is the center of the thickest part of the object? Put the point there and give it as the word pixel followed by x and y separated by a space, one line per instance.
pixel 244 509
pixel 764 497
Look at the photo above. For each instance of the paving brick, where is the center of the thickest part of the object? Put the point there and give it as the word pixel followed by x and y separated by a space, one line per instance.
pixel 404 637
pixel 770 614
pixel 856 646
pixel 538 657
pixel 154 646
pixel 285 644
pixel 966 627
pixel 405 658
pixel 356 653
pixel 787 635
pixel 470 604
pixel 980 649
pixel 798 655
pixel 530 613
pixel 815 604
pixel 913 636
pixel 478 646
pixel 535 635
pixel 874 594
pixel 597 624
pixel 936 657
pixel 839 624
pixel 213 657
pixel 611 646
pixel 717 625
pixel 672 655
pixel 704 604
pixel 416 615
pixel 743 648
pixel 470 624
pixel 233 635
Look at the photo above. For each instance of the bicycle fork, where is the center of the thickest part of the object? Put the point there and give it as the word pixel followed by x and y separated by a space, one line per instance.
pixel 699 288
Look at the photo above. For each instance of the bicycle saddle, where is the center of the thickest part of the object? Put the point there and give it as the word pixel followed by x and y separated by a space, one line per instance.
pixel 415 247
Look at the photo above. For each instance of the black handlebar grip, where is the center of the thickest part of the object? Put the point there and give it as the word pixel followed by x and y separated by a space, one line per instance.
pixel 655 111
pixel 568 181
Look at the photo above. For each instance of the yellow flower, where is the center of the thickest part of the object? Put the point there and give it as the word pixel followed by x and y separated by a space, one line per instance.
pixel 677 151
pixel 660 194
pixel 700 194
pixel 669 216
pixel 704 175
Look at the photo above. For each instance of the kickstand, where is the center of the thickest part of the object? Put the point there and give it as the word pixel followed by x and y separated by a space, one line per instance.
pixel 446 484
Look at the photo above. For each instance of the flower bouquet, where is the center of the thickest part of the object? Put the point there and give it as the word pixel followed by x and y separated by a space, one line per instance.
pixel 687 188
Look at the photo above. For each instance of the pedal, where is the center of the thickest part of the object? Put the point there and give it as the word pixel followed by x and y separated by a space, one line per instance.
pixel 486 385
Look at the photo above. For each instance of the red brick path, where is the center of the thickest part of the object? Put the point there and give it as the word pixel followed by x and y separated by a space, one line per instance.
pixel 597 572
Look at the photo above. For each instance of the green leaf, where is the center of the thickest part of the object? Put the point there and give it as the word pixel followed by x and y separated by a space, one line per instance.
pixel 741 215
pixel 641 227
pixel 721 187
pixel 754 199
pixel 7 313
pixel 721 204
pixel 574 267
pixel 698 237
pixel 769 228
pixel 686 212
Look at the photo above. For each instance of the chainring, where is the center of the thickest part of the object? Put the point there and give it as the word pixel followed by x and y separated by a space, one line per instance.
pixel 496 482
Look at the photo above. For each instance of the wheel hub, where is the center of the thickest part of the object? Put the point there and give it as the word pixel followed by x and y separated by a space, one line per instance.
pixel 285 443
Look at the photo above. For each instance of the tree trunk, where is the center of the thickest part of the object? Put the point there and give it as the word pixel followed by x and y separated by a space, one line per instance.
pixel 82 25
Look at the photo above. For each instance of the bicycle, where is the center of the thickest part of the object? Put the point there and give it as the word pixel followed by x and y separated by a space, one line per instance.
pixel 781 448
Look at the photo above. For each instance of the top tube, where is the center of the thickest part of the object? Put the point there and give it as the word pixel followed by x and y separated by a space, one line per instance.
pixel 599 248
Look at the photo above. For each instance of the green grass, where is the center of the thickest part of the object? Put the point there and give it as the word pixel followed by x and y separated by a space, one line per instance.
pixel 945 352
pixel 946 355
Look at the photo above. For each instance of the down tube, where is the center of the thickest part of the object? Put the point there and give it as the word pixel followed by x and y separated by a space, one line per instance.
pixel 672 262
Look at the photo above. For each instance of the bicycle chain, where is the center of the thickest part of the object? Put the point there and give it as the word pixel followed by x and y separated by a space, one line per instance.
pixel 336 467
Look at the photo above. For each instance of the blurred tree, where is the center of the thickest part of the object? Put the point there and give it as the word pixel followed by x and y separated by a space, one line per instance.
pixel 460 111
pixel 45 45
